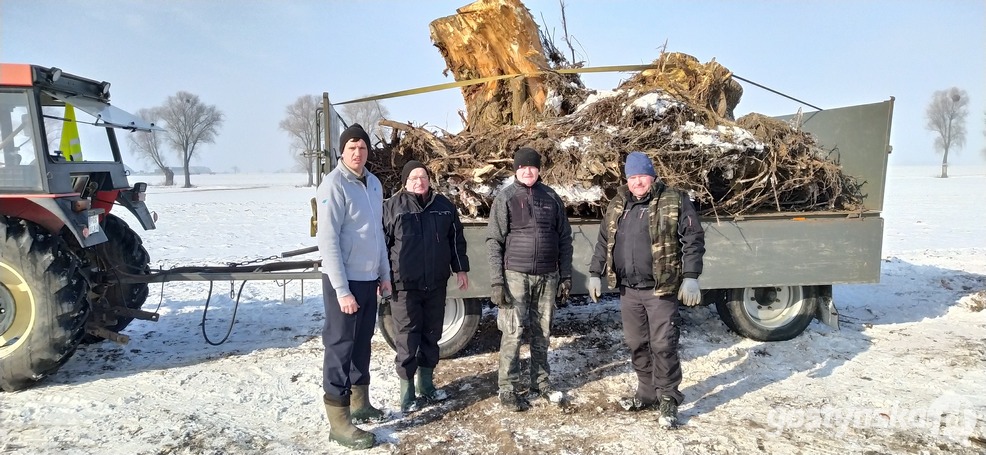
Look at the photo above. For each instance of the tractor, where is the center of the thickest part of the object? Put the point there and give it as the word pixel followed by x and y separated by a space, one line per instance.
pixel 62 251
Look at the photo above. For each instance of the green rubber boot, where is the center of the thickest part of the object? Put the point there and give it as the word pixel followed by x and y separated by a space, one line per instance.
pixel 426 385
pixel 362 410
pixel 409 402
pixel 342 430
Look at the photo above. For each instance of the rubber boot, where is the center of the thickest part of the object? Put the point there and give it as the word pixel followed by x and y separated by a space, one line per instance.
pixel 342 430
pixel 409 402
pixel 426 385
pixel 361 408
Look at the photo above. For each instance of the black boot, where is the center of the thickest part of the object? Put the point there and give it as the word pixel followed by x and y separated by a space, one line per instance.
pixel 668 413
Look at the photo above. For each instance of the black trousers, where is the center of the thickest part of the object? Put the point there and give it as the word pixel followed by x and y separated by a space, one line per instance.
pixel 651 328
pixel 346 338
pixel 418 318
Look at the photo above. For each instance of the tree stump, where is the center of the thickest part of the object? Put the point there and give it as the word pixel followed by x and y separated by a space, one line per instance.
pixel 493 38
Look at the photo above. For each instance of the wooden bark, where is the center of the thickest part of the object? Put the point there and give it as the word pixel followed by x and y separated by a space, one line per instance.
pixel 493 38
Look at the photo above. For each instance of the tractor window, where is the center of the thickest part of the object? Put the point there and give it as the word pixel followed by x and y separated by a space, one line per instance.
pixel 74 136
pixel 19 167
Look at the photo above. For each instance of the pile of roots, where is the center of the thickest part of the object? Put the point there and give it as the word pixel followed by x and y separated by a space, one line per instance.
pixel 680 114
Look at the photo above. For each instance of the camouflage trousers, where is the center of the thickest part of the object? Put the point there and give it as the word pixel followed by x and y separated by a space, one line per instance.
pixel 531 305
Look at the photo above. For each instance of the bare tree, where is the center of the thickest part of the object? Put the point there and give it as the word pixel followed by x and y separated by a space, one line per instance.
pixel 148 147
pixel 190 122
pixel 369 114
pixel 946 118
pixel 301 125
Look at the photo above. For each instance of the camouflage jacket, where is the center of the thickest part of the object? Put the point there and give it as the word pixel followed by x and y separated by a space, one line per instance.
pixel 677 240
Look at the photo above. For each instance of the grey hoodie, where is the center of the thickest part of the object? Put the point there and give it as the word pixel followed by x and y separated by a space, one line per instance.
pixel 350 229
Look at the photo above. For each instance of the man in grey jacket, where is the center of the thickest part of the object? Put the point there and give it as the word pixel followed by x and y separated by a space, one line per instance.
pixel 355 269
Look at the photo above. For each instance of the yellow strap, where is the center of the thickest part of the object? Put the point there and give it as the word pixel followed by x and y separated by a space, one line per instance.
pixel 483 80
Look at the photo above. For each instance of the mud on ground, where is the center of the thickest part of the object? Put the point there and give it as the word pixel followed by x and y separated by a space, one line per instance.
pixel 726 408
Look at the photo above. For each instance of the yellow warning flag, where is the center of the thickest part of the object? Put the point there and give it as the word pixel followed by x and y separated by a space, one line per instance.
pixel 71 147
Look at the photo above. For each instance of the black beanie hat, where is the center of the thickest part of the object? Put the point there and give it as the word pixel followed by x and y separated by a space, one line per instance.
pixel 408 168
pixel 526 156
pixel 353 132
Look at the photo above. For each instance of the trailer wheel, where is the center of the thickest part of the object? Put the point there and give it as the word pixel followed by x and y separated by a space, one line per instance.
pixel 42 303
pixel 124 251
pixel 461 321
pixel 769 313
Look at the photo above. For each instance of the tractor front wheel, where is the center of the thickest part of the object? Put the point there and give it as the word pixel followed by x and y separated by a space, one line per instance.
pixel 42 303
pixel 123 252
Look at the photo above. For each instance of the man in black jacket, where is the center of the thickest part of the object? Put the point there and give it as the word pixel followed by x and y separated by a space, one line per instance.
pixel 424 238
pixel 650 246
pixel 530 253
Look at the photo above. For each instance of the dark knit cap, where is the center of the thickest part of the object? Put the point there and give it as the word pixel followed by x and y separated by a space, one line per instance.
pixel 637 164
pixel 353 132
pixel 526 156
pixel 408 168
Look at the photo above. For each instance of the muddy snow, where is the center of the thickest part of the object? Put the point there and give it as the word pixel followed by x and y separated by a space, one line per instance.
pixel 904 374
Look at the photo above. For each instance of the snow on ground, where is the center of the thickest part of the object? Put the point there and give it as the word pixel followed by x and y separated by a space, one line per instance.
pixel 905 373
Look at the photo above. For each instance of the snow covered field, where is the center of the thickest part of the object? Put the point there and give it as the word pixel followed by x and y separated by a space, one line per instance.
pixel 905 373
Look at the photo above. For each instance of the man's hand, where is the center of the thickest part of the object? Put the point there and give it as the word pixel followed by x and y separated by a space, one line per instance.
pixel 690 293
pixel 564 289
pixel 348 304
pixel 463 280
pixel 497 295
pixel 384 289
pixel 595 288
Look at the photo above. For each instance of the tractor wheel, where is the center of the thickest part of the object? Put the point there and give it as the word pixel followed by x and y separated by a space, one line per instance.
pixel 124 251
pixel 42 303
pixel 461 321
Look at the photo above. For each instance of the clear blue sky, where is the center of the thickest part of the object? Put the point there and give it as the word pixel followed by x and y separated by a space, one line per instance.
pixel 253 58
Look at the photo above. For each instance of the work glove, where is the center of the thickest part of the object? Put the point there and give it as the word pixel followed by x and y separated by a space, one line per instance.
pixel 689 293
pixel 497 296
pixel 595 288
pixel 564 289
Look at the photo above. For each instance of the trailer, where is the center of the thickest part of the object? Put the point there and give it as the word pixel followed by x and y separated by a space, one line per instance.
pixel 769 275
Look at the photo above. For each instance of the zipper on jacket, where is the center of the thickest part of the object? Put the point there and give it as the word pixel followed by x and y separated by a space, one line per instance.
pixel 534 219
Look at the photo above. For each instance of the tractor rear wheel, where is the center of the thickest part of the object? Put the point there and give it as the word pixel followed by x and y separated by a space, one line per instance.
pixel 124 252
pixel 42 303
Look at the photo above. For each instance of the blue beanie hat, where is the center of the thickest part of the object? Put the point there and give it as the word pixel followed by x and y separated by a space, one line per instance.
pixel 637 164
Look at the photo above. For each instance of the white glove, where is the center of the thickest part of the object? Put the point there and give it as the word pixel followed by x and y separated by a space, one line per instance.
pixel 595 288
pixel 689 293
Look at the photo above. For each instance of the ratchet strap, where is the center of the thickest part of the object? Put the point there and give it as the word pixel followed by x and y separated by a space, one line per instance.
pixel 483 80
pixel 589 69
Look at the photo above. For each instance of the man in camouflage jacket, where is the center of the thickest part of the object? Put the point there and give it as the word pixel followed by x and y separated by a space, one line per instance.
pixel 650 248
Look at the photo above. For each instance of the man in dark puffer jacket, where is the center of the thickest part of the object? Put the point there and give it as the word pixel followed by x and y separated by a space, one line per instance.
pixel 530 253
pixel 425 242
